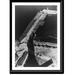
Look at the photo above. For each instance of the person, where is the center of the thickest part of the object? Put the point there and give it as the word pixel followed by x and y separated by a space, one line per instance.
pixel 31 60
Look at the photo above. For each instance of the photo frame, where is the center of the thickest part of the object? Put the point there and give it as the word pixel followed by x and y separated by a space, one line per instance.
pixel 39 23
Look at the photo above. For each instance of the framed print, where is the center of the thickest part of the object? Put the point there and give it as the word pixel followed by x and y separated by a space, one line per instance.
pixel 36 37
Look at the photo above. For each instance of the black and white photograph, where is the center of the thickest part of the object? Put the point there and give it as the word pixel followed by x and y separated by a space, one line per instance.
pixel 36 37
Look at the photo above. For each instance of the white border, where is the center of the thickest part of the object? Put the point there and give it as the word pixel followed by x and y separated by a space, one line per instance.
pixel 13 37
